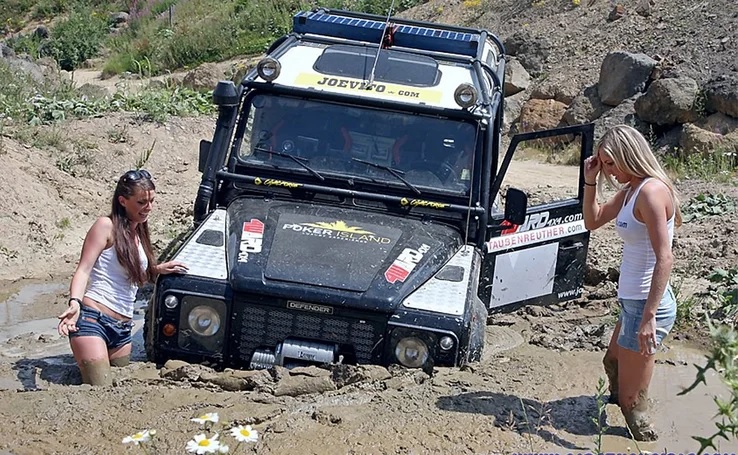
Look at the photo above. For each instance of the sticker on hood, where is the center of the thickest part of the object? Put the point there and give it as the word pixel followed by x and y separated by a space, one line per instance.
pixel 251 239
pixel 405 263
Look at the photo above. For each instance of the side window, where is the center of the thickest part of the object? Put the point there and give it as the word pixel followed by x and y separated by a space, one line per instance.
pixel 546 169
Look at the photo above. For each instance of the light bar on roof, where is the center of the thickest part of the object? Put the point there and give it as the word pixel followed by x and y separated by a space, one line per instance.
pixel 413 37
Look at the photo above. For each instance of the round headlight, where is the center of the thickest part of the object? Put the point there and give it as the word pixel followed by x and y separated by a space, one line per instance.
pixel 204 320
pixel 171 302
pixel 268 68
pixel 465 95
pixel 446 343
pixel 411 352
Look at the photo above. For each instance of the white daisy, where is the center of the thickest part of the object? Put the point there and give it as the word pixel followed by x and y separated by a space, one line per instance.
pixel 210 417
pixel 244 434
pixel 223 449
pixel 201 444
pixel 141 436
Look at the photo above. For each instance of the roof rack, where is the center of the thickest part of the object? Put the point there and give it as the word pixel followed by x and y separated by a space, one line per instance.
pixel 407 33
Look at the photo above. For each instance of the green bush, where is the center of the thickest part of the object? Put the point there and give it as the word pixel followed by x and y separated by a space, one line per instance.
pixel 77 38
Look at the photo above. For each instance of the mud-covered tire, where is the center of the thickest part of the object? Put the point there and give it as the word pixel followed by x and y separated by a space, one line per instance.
pixel 148 332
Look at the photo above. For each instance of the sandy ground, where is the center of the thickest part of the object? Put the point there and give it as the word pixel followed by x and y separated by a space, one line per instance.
pixel 533 392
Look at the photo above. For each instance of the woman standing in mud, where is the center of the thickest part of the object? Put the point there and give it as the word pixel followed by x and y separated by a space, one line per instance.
pixel 116 259
pixel 645 210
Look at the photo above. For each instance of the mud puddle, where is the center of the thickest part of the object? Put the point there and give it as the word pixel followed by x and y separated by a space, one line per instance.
pixel 521 398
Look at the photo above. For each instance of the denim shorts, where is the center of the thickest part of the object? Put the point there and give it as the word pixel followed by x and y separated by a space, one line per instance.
pixel 631 313
pixel 115 333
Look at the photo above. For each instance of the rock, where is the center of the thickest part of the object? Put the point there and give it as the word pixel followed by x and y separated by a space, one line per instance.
pixel 513 107
pixel 558 87
pixel 541 114
pixel 622 75
pixel 41 32
pixel 203 78
pixel 669 101
pixel 93 92
pixel 517 78
pixel 585 108
pixel 696 140
pixel 617 13
pixel 302 385
pixel 532 51
pixel 722 96
pixel 624 113
pixel 120 17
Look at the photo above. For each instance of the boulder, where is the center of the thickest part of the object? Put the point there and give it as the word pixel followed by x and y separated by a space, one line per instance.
pixel 585 108
pixel 532 51
pixel 669 101
pixel 563 88
pixel 722 96
pixel 203 78
pixel 622 75
pixel 624 113
pixel 695 140
pixel 517 78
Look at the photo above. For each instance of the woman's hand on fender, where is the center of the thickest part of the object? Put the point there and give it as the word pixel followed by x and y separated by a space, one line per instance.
pixel 172 267
pixel 592 167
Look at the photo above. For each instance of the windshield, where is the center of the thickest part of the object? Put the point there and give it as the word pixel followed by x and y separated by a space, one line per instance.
pixel 414 152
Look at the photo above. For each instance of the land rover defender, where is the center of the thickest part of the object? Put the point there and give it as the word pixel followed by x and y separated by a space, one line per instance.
pixel 349 212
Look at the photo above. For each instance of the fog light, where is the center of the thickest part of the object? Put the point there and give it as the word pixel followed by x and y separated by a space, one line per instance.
pixel 411 352
pixel 268 69
pixel 465 95
pixel 171 302
pixel 204 320
pixel 168 330
pixel 446 343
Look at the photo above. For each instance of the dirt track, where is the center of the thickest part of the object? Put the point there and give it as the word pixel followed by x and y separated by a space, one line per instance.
pixel 543 360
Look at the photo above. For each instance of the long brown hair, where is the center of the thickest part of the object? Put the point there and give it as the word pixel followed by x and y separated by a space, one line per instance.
pixel 123 240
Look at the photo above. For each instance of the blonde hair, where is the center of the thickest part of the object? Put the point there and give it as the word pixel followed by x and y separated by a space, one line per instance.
pixel 631 153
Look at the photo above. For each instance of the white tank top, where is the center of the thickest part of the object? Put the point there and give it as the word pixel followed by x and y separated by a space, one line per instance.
pixel 639 258
pixel 109 283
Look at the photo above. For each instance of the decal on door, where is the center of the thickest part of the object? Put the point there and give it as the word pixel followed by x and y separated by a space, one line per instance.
pixel 519 239
pixel 251 238
pixel 405 263
pixel 541 220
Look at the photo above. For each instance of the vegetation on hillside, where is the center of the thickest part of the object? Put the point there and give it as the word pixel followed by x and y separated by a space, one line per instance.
pixel 160 35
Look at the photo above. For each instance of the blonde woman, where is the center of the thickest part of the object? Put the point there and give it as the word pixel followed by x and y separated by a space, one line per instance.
pixel 645 210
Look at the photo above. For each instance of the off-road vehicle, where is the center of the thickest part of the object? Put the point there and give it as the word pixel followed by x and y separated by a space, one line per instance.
pixel 347 210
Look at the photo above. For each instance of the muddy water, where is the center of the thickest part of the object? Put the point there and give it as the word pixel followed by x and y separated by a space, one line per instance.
pixel 520 399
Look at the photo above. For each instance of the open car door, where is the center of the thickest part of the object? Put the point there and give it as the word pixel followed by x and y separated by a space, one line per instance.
pixel 542 260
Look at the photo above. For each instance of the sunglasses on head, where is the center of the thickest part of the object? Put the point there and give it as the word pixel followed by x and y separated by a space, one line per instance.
pixel 136 174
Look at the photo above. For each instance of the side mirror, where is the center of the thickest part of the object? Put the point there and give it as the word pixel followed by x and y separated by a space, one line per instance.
pixel 516 206
pixel 203 156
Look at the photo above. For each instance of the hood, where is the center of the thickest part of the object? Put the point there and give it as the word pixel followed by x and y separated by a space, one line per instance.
pixel 332 255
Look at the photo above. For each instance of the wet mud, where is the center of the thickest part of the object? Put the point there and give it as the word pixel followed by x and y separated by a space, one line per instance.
pixel 521 397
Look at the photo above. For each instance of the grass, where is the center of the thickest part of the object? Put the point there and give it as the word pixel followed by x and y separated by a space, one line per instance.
pixel 718 166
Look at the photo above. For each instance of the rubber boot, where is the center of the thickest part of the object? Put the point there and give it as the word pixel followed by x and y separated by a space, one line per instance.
pixel 637 419
pixel 610 363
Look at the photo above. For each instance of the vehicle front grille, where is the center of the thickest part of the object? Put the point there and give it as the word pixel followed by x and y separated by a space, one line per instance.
pixel 265 326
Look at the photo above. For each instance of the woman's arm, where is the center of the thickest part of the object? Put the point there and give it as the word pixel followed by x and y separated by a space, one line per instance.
pixel 596 215
pixel 97 239
pixel 655 207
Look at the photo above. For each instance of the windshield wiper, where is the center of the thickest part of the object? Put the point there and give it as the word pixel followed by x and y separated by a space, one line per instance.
pixel 395 172
pixel 299 160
